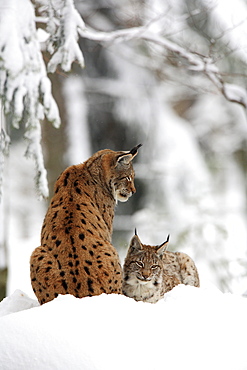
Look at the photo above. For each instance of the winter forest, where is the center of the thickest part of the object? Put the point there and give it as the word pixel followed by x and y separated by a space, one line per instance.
pixel 77 78
pixel 80 76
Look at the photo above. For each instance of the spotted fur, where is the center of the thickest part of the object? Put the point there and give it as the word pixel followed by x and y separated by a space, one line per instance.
pixel 151 271
pixel 76 255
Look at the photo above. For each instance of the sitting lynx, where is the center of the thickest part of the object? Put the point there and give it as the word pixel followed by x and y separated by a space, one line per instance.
pixel 76 256
pixel 151 271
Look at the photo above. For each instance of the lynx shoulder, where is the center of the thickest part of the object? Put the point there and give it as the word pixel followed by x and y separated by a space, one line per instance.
pixel 151 271
pixel 76 255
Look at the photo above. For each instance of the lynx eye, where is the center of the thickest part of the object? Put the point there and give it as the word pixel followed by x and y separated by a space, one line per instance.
pixel 154 267
pixel 139 263
pixel 128 178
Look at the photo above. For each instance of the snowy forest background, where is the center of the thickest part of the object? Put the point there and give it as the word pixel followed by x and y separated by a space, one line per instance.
pixel 168 74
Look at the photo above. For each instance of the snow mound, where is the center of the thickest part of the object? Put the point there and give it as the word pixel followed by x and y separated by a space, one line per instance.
pixel 18 301
pixel 191 328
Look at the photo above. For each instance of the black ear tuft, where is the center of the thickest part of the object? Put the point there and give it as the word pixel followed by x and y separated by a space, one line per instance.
pixel 126 157
pixel 166 242
pixel 134 150
pixel 135 231
pixel 163 247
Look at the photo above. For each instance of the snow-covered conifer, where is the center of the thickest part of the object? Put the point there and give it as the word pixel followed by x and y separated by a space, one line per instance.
pixel 25 89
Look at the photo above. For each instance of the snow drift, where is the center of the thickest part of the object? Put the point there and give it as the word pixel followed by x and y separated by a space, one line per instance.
pixel 191 328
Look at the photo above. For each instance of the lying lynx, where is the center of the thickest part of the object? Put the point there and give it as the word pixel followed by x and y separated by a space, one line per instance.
pixel 76 256
pixel 151 271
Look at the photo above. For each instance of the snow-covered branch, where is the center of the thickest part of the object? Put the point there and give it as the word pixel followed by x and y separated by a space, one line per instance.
pixel 24 86
pixel 194 61
pixel 63 24
pixel 25 89
pixel 142 33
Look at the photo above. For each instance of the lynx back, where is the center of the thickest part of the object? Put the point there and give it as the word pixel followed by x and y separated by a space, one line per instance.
pixel 76 255
pixel 151 271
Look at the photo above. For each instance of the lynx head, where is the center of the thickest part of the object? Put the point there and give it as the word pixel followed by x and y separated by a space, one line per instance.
pixel 143 263
pixel 119 173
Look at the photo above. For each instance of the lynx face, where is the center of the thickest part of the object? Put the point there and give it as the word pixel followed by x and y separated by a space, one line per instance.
pixel 143 272
pixel 120 173
pixel 144 267
pixel 124 188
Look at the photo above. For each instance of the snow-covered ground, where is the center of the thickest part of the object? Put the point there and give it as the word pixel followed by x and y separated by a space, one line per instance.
pixel 191 328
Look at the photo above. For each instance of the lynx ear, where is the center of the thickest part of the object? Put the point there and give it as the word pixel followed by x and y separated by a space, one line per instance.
pixel 135 244
pixel 127 157
pixel 163 247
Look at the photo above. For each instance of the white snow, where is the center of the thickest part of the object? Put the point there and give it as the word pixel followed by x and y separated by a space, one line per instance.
pixel 191 328
pixel 229 17
pixel 25 89
pixel 63 24
pixel 236 94
pixel 22 67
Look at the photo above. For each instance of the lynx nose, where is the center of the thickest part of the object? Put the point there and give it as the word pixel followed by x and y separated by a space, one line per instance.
pixel 145 274
pixel 133 189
